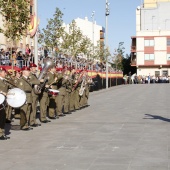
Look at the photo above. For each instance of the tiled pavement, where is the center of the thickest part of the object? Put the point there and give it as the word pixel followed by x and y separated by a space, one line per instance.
pixel 125 128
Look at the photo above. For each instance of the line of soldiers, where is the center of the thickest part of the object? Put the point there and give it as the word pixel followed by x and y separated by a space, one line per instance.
pixel 73 87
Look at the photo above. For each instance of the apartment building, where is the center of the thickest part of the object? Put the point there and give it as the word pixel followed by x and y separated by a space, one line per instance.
pixel 20 45
pixel 90 29
pixel 150 50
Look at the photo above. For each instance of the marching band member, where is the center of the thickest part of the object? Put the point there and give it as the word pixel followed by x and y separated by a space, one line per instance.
pixel 3 90
pixel 61 86
pixel 44 101
pixel 25 110
pixel 77 88
pixel 72 95
pixel 82 88
pixel 9 77
pixel 87 89
pixel 34 81
pixel 18 74
pixel 52 79
pixel 67 97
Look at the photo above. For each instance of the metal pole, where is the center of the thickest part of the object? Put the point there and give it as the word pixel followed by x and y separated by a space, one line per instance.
pixel 106 41
pixel 92 16
pixel 36 35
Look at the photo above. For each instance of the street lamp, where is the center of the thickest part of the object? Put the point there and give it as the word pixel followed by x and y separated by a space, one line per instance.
pixel 165 22
pixel 106 41
pixel 152 21
pixel 92 16
pixel 36 36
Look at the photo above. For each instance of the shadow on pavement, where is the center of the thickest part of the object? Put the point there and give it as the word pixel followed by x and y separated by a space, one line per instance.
pixel 156 117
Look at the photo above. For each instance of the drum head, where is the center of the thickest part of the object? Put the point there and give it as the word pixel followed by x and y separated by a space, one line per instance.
pixel 2 98
pixel 16 97
pixel 54 91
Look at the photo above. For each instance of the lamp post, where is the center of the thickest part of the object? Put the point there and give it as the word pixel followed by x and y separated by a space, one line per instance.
pixel 36 35
pixel 92 16
pixel 165 22
pixel 152 21
pixel 106 40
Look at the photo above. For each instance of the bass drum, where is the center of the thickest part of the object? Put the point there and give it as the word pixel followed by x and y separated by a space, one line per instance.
pixel 2 98
pixel 16 97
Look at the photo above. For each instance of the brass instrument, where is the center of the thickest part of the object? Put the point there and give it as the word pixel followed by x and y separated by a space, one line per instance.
pixel 78 80
pixel 47 65
pixel 82 88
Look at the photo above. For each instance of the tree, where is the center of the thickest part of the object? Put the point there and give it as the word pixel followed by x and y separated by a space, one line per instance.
pixel 101 53
pixel 51 36
pixel 126 65
pixel 74 43
pixel 118 56
pixel 16 17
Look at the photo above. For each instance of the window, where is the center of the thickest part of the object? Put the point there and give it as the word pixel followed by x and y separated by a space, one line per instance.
pixel 168 42
pixel 164 72
pixel 168 56
pixel 157 73
pixel 149 56
pixel 149 43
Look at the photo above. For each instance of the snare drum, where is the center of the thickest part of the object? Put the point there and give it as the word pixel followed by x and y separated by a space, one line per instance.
pixel 2 98
pixel 2 101
pixel 52 92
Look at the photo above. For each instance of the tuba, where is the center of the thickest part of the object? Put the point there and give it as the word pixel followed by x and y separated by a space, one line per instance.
pixel 49 63
pixel 82 88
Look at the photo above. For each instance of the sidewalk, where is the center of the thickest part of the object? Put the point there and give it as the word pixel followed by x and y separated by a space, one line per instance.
pixel 124 128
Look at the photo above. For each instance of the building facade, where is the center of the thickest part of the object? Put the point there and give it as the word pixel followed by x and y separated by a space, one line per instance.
pixel 20 45
pixel 90 29
pixel 150 50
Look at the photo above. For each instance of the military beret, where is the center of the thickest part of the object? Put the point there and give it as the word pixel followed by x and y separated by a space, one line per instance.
pixel 2 69
pixel 33 65
pixel 25 68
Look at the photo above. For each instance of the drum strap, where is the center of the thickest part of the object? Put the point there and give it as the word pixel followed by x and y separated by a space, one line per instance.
pixel 27 81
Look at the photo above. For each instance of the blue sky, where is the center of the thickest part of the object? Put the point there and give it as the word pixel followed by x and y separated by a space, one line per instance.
pixel 121 21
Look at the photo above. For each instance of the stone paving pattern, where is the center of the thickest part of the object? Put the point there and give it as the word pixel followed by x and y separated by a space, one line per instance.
pixel 125 128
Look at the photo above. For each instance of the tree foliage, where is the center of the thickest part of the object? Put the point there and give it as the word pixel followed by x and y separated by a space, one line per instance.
pixel 101 53
pixel 118 56
pixel 74 43
pixel 126 62
pixel 16 17
pixel 52 34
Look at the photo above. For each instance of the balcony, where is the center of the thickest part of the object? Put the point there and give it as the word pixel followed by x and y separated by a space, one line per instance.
pixel 133 63
pixel 133 48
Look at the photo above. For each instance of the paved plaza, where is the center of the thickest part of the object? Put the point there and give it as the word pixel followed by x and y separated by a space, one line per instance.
pixel 125 128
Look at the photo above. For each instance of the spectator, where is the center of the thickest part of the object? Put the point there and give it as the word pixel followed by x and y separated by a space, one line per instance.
pixel 20 59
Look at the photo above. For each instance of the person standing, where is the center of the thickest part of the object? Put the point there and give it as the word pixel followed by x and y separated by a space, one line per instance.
pixel 25 110
pixel 61 86
pixel 3 90
pixel 68 93
pixel 34 81
pixel 52 83
pixel 72 95
pixel 18 75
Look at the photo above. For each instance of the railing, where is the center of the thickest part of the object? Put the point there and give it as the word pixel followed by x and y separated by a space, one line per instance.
pixel 133 62
pixel 17 63
pixel 76 64
pixel 133 48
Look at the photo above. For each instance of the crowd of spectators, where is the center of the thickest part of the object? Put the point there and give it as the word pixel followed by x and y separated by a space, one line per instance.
pixel 17 58
pixel 21 59
pixel 143 79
